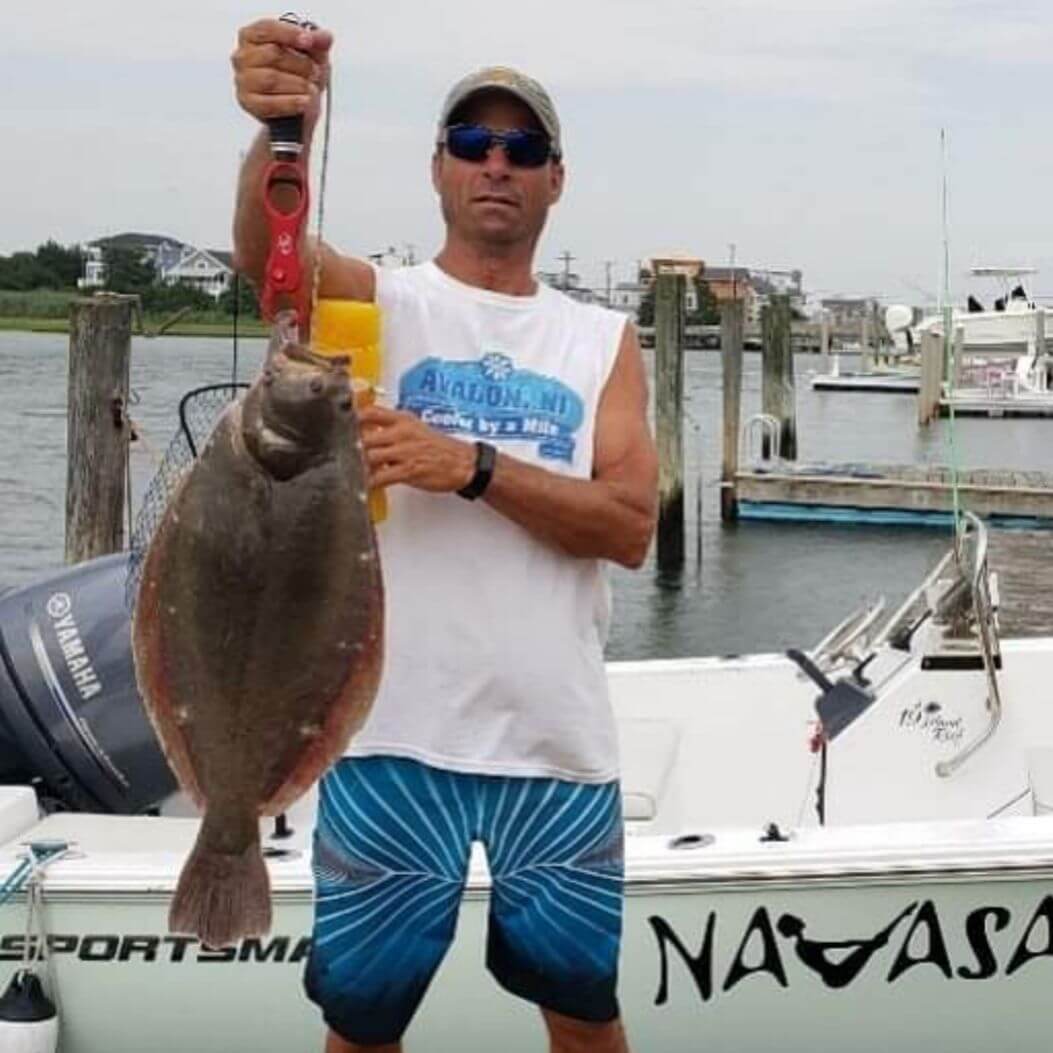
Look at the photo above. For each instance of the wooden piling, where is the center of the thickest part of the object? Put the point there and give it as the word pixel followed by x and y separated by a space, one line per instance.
pixel 931 380
pixel 824 340
pixel 867 359
pixel 778 390
pixel 100 343
pixel 731 341
pixel 669 417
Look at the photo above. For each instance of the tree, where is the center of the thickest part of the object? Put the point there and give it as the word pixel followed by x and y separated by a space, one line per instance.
pixel 247 302
pixel 62 265
pixel 21 272
pixel 708 310
pixel 160 297
pixel 706 313
pixel 127 271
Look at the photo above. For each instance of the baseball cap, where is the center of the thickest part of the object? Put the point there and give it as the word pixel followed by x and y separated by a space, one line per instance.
pixel 504 78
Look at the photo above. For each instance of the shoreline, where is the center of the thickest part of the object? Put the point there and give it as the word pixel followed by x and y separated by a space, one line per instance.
pixel 248 330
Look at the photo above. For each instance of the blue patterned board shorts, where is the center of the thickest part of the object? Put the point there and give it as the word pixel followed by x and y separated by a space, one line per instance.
pixel 391 858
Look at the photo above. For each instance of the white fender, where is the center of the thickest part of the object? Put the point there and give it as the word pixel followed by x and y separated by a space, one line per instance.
pixel 28 1020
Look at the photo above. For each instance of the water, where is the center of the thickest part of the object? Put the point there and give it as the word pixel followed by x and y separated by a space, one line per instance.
pixel 758 587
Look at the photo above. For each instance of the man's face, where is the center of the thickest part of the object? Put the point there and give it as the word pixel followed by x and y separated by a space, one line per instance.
pixel 492 201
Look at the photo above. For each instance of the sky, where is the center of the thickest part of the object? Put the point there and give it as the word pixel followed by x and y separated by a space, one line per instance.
pixel 806 134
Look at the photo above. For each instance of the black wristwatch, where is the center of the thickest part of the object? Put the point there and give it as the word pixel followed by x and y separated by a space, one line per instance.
pixel 485 459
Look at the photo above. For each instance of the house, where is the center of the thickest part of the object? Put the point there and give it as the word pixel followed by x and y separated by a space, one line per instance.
pixel 728 284
pixel 849 311
pixel 769 283
pixel 162 251
pixel 210 270
pixel 94 276
pixel 682 263
pixel 783 283
pixel 627 296
pixel 675 263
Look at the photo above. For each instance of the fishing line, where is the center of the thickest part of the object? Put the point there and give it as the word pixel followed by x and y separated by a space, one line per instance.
pixel 127 432
pixel 234 355
pixel 316 278
pixel 950 356
pixel 129 501
pixel 808 788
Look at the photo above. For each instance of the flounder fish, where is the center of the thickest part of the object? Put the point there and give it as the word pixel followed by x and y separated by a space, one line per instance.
pixel 258 625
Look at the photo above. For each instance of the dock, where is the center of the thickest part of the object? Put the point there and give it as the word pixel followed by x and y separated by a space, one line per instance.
pixel 910 495
pixel 805 337
pixel 880 383
pixel 969 402
pixel 1023 561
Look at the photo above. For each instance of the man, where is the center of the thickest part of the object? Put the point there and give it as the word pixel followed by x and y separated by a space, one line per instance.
pixel 518 459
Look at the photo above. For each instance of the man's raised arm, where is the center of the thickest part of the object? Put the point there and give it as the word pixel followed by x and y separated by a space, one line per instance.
pixel 281 69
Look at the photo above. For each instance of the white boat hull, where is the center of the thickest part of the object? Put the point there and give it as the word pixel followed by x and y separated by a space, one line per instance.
pixel 911 920
pixel 711 960
pixel 1009 332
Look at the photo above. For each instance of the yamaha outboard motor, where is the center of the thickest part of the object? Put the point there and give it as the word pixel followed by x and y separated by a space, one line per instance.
pixel 71 719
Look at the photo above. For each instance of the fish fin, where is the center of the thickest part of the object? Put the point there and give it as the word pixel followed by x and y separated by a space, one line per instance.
pixel 345 718
pixel 148 656
pixel 222 897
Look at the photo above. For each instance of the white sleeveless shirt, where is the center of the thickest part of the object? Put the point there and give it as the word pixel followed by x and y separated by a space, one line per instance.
pixel 494 639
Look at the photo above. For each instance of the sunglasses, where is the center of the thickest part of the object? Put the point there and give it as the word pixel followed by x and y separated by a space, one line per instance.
pixel 524 148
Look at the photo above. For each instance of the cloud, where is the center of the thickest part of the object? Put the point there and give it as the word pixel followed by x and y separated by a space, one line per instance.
pixel 805 132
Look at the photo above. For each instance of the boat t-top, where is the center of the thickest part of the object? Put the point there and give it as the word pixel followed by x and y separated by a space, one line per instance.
pixel 1006 324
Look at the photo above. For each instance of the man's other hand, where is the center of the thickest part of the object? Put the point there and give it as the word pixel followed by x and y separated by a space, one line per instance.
pixel 401 449
pixel 281 69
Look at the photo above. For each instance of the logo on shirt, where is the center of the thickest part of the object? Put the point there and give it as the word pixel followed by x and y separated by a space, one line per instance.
pixel 489 398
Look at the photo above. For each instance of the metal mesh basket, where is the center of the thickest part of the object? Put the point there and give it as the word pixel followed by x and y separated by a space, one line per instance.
pixel 199 411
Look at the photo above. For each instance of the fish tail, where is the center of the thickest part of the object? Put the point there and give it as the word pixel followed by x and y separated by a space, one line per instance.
pixel 223 894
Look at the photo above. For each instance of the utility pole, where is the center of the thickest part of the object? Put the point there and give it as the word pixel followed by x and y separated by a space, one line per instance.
pixel 608 264
pixel 567 259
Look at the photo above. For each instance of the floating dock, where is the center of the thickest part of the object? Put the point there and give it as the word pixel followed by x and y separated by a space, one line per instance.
pixel 976 402
pixel 908 495
pixel 884 383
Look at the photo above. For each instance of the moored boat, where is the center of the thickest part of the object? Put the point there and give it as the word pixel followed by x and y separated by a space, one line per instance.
pixel 1004 325
pixel 886 882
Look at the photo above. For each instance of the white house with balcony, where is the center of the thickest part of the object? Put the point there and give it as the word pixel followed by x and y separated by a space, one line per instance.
pixel 210 270
pixel 94 276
